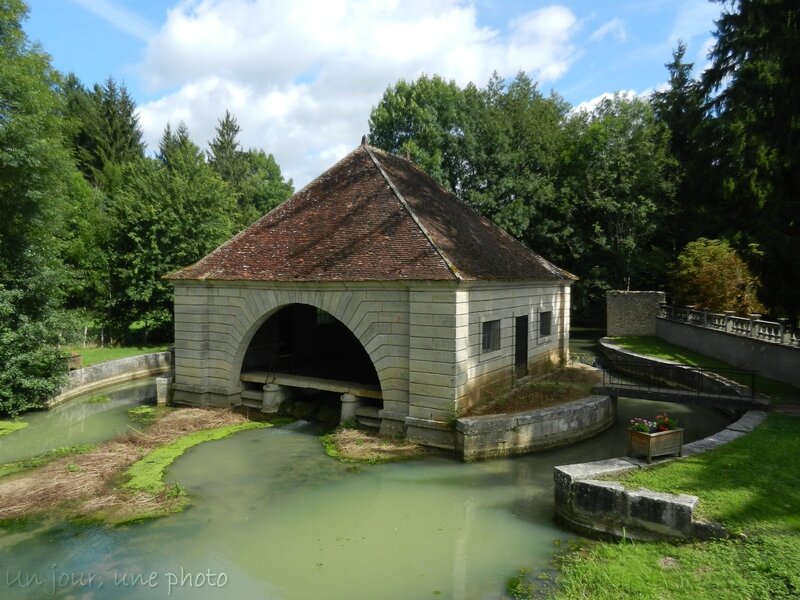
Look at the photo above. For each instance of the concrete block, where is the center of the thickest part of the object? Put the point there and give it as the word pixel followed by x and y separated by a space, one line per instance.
pixel 598 496
pixel 671 511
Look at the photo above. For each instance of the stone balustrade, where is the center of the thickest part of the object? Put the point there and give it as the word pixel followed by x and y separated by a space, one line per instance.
pixel 751 326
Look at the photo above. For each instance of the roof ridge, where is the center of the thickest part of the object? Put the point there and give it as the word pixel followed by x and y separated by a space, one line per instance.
pixel 411 213
pixel 554 269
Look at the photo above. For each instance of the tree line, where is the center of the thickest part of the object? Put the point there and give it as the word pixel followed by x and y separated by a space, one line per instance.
pixel 708 166
pixel 90 223
pixel 693 188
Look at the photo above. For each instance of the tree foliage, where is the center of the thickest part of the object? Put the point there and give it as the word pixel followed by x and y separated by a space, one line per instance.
pixel 710 274
pixel 585 190
pixel 253 176
pixel 34 163
pixel 753 84
pixel 170 213
pixel 617 174
pixel 106 133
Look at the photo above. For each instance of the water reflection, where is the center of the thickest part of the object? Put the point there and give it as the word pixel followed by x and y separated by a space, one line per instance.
pixel 85 420
pixel 281 520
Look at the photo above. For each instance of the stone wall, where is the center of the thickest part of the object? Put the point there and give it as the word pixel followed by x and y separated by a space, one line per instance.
pixel 424 339
pixel 632 313
pixel 490 373
pixel 588 501
pixel 215 322
pixel 776 361
pixel 450 371
pixel 495 436
pixel 89 379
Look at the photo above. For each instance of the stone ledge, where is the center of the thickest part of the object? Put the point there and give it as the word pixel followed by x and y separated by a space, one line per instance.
pixel 604 508
pixel 89 379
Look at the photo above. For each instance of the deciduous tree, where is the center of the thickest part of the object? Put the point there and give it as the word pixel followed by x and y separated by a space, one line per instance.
pixel 710 274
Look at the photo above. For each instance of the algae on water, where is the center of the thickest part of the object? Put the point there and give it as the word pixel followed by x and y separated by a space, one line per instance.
pixel 8 427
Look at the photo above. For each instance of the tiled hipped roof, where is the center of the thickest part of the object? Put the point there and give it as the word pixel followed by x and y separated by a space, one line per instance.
pixel 372 217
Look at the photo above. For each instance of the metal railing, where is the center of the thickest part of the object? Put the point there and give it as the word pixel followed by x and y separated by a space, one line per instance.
pixel 701 381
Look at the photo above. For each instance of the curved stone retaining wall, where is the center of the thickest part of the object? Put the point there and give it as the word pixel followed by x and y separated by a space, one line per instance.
pixel 495 436
pixel 589 503
pixel 621 358
pixel 89 379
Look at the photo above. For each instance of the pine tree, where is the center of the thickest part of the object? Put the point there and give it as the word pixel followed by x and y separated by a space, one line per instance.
pixel 753 84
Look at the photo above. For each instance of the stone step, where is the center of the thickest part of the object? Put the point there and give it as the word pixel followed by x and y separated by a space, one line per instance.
pixel 368 422
pixel 252 395
pixel 370 412
pixel 250 403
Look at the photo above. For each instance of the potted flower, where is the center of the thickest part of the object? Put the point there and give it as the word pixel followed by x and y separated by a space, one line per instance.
pixel 660 437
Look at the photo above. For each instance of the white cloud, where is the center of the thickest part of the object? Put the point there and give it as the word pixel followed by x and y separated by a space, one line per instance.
pixel 120 18
pixel 590 105
pixel 302 76
pixel 615 28
pixel 694 19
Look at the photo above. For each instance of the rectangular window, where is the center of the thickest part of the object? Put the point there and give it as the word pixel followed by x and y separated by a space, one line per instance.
pixel 545 323
pixel 491 336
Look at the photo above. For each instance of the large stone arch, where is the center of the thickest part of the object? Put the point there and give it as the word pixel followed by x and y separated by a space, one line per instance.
pixel 377 317
pixel 247 338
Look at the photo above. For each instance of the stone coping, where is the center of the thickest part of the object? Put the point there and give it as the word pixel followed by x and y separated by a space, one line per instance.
pixel 89 379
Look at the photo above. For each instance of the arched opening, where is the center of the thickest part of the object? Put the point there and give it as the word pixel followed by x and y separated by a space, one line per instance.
pixel 314 358
pixel 305 340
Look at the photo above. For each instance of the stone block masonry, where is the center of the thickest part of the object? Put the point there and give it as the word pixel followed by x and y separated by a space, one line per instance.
pixel 632 313
pixel 495 436
pixel 588 502
pixel 89 379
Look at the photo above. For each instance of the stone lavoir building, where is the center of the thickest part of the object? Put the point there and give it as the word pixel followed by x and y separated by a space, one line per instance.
pixel 375 283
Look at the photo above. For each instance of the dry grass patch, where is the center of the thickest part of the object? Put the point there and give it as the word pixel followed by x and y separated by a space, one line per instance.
pixel 559 386
pixel 85 485
pixel 359 445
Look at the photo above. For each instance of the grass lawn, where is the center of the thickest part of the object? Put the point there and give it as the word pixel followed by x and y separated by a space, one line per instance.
pixel 561 385
pixel 751 485
pixel 93 355
pixel 653 346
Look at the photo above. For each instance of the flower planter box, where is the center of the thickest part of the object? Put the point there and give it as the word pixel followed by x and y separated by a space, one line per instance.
pixel 650 445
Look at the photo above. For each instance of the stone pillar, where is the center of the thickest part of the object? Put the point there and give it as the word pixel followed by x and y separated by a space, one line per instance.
pixel 163 385
pixel 273 396
pixel 729 314
pixel 350 404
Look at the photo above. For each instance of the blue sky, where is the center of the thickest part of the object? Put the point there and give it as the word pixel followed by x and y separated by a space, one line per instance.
pixel 301 76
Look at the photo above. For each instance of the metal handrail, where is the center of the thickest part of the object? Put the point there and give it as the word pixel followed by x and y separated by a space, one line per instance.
pixel 715 381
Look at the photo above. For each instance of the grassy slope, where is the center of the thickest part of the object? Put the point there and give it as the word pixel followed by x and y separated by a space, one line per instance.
pixel 92 355
pixel 752 485
pixel 653 346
